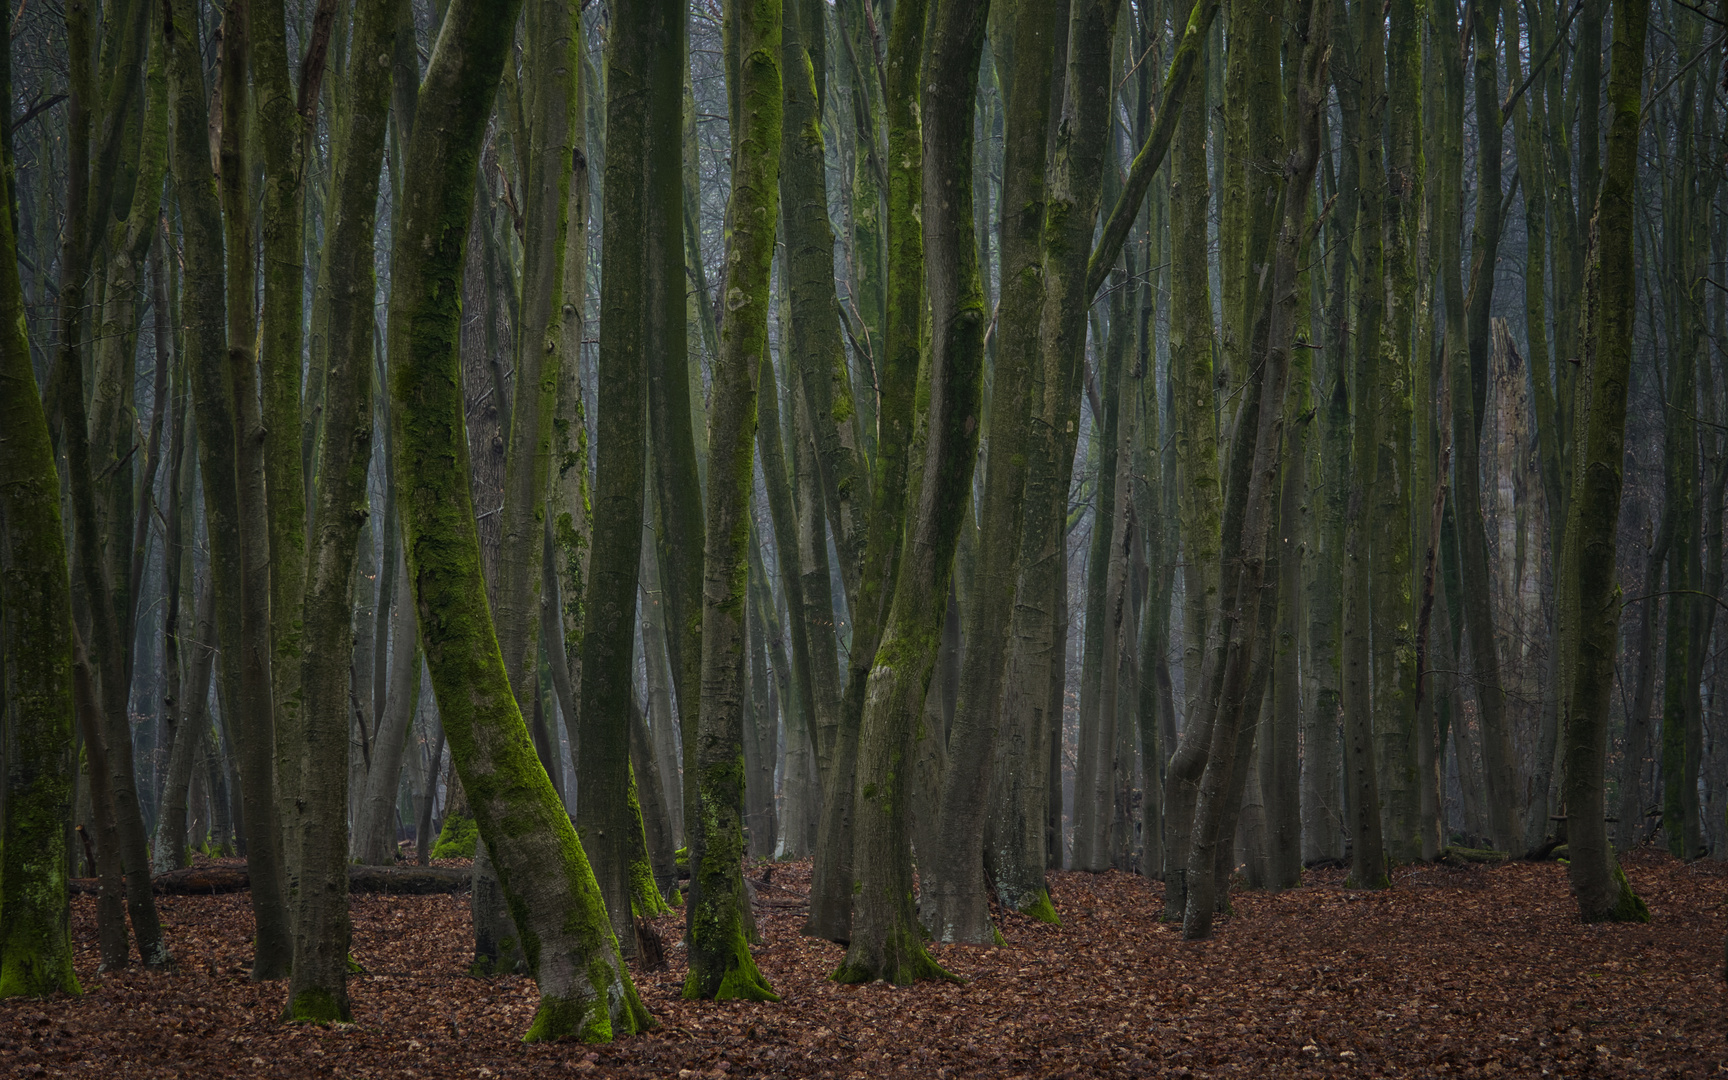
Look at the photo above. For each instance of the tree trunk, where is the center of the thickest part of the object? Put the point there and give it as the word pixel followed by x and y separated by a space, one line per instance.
pixel 552 893
pixel 673 418
pixel 814 335
pixel 1597 881
pixel 318 989
pixel 36 625
pixel 115 799
pixel 886 940
pixel 1101 646
pixel 897 373
pixel 1230 651
pixel 1200 506
pixel 721 966
pixel 610 602
pixel 1468 391
pixel 1390 513
pixel 1367 851
pixel 955 905
pixel 286 126
pixel 374 840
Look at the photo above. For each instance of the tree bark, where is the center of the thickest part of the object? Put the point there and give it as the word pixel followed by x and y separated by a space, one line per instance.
pixel 897 371
pixel 552 894
pixel 318 988
pixel 1199 507
pixel 955 906
pixel 36 662
pixel 1597 881
pixel 721 966
pixel 1468 393
pixel 886 940
pixel 1230 652
pixel 609 604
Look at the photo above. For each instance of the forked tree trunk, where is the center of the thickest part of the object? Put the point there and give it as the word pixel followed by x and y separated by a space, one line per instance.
pixel 886 940
pixel 897 370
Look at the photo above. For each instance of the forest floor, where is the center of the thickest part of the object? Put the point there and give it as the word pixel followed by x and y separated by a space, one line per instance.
pixel 1473 972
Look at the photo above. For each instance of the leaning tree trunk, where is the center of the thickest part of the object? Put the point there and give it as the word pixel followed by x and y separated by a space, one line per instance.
pixel 1594 607
pixel 721 966
pixel 886 938
pixel 551 891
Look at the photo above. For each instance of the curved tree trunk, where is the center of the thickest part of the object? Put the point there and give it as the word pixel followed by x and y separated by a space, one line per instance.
pixel 551 891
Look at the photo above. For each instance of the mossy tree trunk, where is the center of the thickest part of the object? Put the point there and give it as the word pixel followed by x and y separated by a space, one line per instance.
pixel 318 825
pixel 886 940
pixel 569 521
pixel 897 369
pixel 1597 880
pixel 552 40
pixel 1393 614
pixel 98 592
pixel 552 895
pixel 286 123
pixel 815 326
pixel 609 605
pixel 36 661
pixel 955 906
pixel 720 963
pixel 1199 500
pixel 1366 71
pixel 1230 660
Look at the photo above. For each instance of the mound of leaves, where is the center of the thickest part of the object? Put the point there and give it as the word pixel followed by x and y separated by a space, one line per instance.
pixel 1470 971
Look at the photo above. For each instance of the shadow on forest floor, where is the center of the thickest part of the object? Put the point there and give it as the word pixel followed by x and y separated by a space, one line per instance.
pixel 1457 972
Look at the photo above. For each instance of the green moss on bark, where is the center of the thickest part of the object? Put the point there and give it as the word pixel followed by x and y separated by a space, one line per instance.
pixel 456 838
